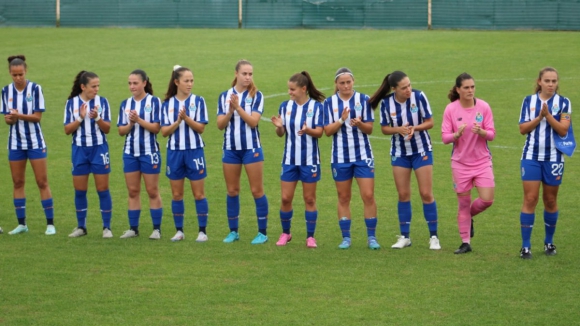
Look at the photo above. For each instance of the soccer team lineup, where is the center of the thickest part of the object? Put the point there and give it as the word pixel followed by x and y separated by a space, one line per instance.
pixel 347 117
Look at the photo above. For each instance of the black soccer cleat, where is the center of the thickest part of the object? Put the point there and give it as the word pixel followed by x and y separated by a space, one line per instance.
pixel 464 248
pixel 550 249
pixel 525 253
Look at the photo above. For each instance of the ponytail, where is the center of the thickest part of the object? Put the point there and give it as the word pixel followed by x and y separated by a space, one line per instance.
pixel 453 95
pixel 303 79
pixel 252 89
pixel 82 78
pixel 17 60
pixel 175 75
pixel 390 80
pixel 145 78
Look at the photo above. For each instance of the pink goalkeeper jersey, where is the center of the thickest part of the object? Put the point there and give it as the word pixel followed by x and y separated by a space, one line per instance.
pixel 470 150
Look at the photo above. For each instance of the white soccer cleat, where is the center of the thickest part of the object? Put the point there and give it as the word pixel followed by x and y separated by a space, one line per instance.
pixel 77 232
pixel 50 230
pixel 129 234
pixel 402 242
pixel 156 235
pixel 178 236
pixel 434 243
pixel 107 234
pixel 201 237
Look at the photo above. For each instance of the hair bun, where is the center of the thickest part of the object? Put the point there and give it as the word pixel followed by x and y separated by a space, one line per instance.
pixel 176 67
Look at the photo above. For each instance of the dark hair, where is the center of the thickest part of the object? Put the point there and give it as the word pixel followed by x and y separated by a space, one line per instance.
pixel 340 72
pixel 252 87
pixel 453 95
pixel 544 70
pixel 145 78
pixel 82 78
pixel 17 60
pixel 390 80
pixel 303 79
pixel 175 75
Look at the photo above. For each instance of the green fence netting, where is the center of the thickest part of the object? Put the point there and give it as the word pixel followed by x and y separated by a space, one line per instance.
pixel 27 12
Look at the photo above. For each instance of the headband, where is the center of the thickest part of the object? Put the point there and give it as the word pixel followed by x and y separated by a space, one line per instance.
pixel 343 73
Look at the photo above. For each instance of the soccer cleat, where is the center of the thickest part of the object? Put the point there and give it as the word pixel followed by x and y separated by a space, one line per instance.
pixel 77 232
pixel 129 234
pixel 373 244
pixel 156 235
pixel 434 243
pixel 472 230
pixel 178 236
pixel 232 236
pixel 525 253
pixel 1 231
pixel 50 230
pixel 464 248
pixel 260 239
pixel 19 229
pixel 345 244
pixel 311 243
pixel 550 249
pixel 284 239
pixel 201 237
pixel 107 234
pixel 402 242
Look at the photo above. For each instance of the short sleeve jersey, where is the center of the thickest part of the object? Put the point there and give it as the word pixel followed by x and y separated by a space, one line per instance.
pixel 139 141
pixel 300 149
pixel 238 135
pixel 88 133
pixel 184 137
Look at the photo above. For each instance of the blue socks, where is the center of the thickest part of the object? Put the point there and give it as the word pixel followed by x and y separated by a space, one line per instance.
pixel 178 210
pixel 20 208
pixel 286 220
pixel 344 224
pixel 81 205
pixel 156 216
pixel 430 212
pixel 371 224
pixel 233 210
pixel 527 223
pixel 405 213
pixel 134 216
pixel 550 220
pixel 202 209
pixel 47 205
pixel 262 213
pixel 311 218
pixel 106 207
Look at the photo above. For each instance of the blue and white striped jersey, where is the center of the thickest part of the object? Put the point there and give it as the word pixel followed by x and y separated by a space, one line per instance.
pixel 540 144
pixel 88 134
pixel 349 144
pixel 184 137
pixel 139 141
pixel 24 135
pixel 238 135
pixel 301 150
pixel 413 112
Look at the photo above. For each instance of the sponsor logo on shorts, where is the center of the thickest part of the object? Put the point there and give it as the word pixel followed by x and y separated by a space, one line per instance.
pixel 425 158
pixel 334 173
pixel 523 171
pixel 168 170
pixel 256 154
pixel 201 171
pixel 314 175
pixel 155 166
pixel 559 177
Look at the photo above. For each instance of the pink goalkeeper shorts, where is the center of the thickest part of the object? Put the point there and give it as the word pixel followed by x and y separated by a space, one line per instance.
pixel 465 178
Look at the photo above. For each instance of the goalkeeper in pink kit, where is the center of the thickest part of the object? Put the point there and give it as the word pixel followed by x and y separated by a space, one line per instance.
pixel 468 124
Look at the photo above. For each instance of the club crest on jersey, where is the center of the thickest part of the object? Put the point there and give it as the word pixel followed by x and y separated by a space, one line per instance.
pixel 358 107
pixel 148 108
pixel 414 108
pixel 310 113
pixel 28 97
pixel 478 117
pixel 192 107
pixel 99 108
pixel 555 109
pixel 248 100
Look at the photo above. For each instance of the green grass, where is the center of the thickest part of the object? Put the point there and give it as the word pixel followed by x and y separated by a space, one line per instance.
pixel 91 281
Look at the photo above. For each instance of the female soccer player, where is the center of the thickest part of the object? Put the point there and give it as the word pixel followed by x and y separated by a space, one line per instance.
pixel 544 115
pixel 300 119
pixel 468 124
pixel 349 120
pixel 406 116
pixel 87 116
pixel 22 105
pixel 239 111
pixel 183 119
pixel 139 121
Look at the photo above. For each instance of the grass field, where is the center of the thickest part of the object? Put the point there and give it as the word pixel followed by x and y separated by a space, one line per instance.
pixel 92 281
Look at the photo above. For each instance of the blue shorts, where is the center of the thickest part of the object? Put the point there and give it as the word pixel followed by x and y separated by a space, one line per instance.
pixel 414 161
pixel 246 156
pixel 358 169
pixel 189 163
pixel 304 173
pixel 92 159
pixel 30 154
pixel 148 163
pixel 550 173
